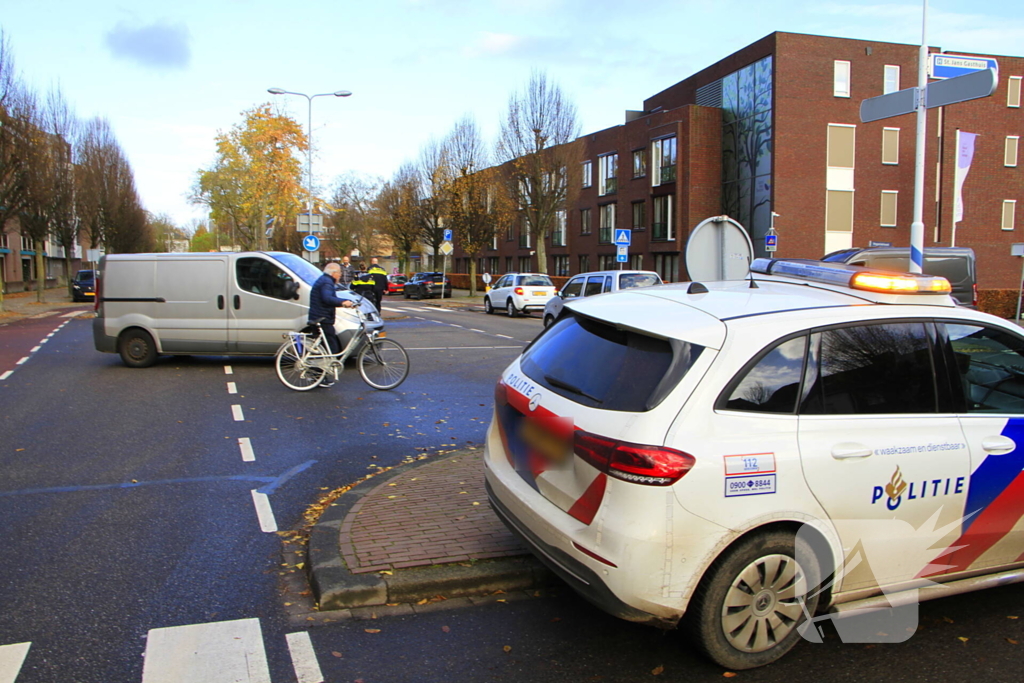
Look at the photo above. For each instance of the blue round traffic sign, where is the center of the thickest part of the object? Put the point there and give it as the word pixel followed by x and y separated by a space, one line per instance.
pixel 311 243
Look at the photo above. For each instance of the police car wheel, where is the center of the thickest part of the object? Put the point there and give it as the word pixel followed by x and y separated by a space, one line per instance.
pixel 749 606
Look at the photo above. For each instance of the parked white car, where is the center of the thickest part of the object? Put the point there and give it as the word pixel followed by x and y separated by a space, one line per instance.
pixel 519 293
pixel 598 282
pixel 749 454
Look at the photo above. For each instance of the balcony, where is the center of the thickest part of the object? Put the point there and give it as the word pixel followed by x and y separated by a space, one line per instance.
pixel 668 174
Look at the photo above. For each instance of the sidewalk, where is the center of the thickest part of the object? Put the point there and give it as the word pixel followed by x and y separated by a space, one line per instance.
pixel 21 305
pixel 419 531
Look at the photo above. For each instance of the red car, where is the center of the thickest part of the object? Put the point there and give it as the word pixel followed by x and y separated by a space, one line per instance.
pixel 396 284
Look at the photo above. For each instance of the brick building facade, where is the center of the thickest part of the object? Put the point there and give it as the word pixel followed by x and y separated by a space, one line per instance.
pixel 775 127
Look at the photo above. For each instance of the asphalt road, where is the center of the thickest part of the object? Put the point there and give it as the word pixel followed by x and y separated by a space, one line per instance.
pixel 129 521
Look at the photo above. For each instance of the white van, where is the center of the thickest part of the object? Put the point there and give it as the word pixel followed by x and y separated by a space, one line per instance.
pixel 206 303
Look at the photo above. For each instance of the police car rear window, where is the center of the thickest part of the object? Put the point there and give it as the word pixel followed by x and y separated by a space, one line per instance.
pixel 600 366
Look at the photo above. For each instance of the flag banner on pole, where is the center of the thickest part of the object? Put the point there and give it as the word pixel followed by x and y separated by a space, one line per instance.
pixel 964 156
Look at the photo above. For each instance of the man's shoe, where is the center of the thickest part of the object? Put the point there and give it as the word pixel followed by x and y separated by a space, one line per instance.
pixel 327 383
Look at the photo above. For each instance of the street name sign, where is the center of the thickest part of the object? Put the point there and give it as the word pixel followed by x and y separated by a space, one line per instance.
pixel 951 66
pixel 970 86
pixel 304 224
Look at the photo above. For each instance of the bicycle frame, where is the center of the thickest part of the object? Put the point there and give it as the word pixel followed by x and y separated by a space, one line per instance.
pixel 327 361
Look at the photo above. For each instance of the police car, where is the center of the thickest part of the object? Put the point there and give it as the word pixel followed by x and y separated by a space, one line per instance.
pixel 740 457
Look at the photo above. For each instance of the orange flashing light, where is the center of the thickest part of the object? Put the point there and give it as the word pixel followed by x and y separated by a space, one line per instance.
pixel 900 284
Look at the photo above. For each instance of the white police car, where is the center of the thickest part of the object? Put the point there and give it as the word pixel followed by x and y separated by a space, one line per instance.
pixel 750 453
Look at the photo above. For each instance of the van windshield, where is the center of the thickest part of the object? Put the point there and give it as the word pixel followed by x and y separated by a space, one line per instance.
pixel 300 266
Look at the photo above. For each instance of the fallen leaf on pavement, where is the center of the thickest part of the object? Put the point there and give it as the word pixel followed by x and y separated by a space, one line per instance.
pixel 729 674
pixel 962 639
pixel 507 648
pixel 445 629
pixel 385 572
pixel 657 671
pixel 947 620
pixel 1011 641
pixel 372 630
pixel 1009 617
pixel 335 653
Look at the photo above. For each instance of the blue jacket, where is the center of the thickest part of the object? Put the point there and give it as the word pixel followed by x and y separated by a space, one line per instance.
pixel 323 300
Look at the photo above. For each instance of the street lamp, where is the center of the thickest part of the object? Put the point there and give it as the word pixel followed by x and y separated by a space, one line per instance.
pixel 309 141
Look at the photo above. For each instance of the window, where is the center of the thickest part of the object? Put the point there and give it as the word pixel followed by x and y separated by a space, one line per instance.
pixel 588 173
pixel 1013 91
pixel 838 211
pixel 636 261
pixel 990 368
pixel 525 264
pixel 584 263
pixel 508 263
pixel 596 284
pixel 663 227
pixel 525 192
pixel 492 264
pixel 584 221
pixel 494 241
pixel 891 79
pixel 637 371
pixel 639 163
pixel 524 236
pixel 889 198
pixel 869 370
pixel 510 232
pixel 772 385
pixel 1010 154
pixel 573 289
pixel 1009 208
pixel 667 266
pixel 604 234
pixel 561 265
pixel 260 276
pixel 841 79
pixel 608 166
pixel 3 240
pixel 663 153
pixel 639 215
pixel 890 145
pixel 841 143
pixel 606 262
pixel 558 234
pixel 839 186
pixel 26 243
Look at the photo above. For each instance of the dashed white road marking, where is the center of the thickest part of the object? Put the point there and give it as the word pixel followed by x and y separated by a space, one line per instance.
pixel 473 329
pixel 11 659
pixel 34 349
pixel 503 336
pixel 307 669
pixel 22 361
pixel 454 325
pixel 232 388
pixel 236 412
pixel 245 445
pixel 43 340
pixel 228 370
pixel 6 375
pixel 264 512
pixel 218 652
pixel 74 314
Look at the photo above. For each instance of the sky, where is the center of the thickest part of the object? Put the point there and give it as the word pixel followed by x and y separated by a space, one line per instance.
pixel 170 75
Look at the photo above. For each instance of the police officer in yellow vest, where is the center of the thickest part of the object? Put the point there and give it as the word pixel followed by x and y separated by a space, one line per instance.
pixel 362 284
pixel 380 281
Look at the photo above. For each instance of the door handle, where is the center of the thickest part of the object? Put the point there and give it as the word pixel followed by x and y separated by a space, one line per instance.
pixel 238 302
pixel 998 445
pixel 842 451
pixel 220 302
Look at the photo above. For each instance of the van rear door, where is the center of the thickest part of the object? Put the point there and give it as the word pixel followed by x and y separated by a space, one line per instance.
pixel 192 318
pixel 262 308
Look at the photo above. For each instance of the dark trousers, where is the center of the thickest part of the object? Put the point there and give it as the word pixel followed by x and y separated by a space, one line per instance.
pixel 332 338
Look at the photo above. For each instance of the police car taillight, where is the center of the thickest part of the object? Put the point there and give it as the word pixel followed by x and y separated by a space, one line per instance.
pixel 636 463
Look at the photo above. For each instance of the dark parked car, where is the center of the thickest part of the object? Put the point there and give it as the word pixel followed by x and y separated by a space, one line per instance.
pixel 427 285
pixel 83 287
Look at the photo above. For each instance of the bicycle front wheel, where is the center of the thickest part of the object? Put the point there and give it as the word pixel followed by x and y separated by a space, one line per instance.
pixel 293 369
pixel 383 364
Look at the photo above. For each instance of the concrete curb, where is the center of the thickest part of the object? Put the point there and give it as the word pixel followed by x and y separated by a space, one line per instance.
pixel 336 588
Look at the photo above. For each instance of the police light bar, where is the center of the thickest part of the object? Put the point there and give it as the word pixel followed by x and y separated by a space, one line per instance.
pixel 853 277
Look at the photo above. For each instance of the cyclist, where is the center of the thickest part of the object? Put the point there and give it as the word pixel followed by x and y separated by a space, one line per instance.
pixel 322 302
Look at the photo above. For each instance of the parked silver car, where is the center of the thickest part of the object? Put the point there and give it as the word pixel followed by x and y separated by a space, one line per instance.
pixel 588 284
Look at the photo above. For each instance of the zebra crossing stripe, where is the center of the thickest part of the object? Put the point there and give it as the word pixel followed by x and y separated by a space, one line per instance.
pixel 216 652
pixel 11 659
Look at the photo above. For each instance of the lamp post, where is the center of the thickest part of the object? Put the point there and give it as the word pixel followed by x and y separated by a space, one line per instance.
pixel 309 141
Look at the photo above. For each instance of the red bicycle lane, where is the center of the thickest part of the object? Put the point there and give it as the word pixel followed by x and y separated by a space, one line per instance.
pixel 19 340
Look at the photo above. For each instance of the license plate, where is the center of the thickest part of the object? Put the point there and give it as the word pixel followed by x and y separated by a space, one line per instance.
pixel 552 441
pixel 539 293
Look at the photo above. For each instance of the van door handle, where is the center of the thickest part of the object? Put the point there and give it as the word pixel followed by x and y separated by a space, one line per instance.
pixel 238 302
pixel 220 302
pixel 998 445
pixel 842 451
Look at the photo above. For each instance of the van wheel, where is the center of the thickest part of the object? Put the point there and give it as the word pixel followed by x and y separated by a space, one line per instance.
pixel 488 308
pixel 748 609
pixel 137 348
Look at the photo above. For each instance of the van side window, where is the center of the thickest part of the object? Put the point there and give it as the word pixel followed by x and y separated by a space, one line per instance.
pixel 573 289
pixel 990 364
pixel 260 276
pixel 594 285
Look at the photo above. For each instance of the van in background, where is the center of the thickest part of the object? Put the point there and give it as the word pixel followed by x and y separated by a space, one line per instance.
pixel 956 264
pixel 237 303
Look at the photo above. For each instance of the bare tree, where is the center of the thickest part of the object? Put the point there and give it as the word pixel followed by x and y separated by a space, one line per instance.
pixel 61 126
pixel 538 143
pixel 478 206
pixel 434 172
pixel 15 141
pixel 355 223
pixel 398 205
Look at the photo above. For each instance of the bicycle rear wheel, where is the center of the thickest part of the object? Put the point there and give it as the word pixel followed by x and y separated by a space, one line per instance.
pixel 293 369
pixel 383 364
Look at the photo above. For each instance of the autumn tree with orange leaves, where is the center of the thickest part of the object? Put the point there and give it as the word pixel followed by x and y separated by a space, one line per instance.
pixel 257 175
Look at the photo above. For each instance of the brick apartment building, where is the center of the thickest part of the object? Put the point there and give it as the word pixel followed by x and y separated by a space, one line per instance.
pixel 776 127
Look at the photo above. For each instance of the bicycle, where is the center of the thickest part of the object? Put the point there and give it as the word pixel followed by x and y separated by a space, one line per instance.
pixel 304 360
